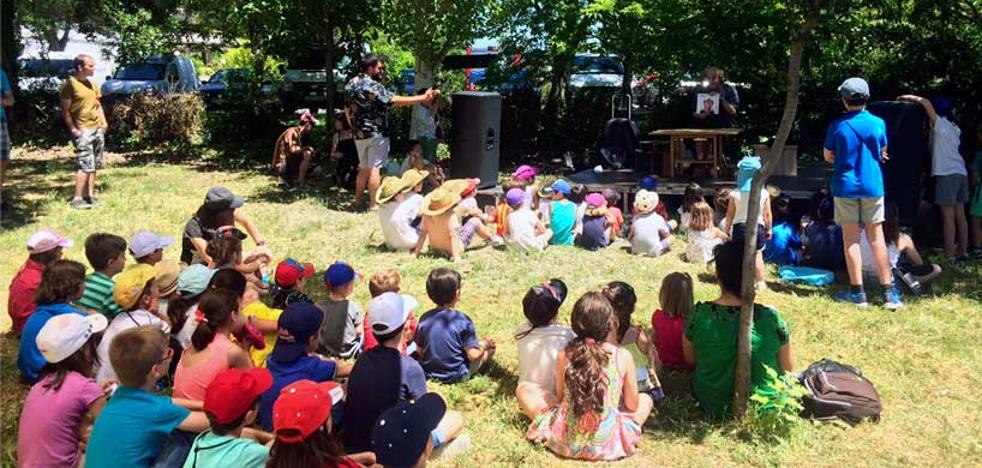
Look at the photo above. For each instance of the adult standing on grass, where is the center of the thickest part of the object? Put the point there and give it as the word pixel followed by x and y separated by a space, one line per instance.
pixel 856 144
pixel 949 172
pixel 217 216
pixel 370 101
pixel 86 120
pixel 6 100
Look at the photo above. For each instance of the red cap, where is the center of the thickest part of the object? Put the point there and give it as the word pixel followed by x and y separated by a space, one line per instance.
pixel 302 408
pixel 289 272
pixel 472 184
pixel 234 392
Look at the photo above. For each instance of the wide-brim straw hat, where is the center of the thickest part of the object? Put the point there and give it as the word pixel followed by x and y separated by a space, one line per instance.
pixel 439 201
pixel 412 177
pixel 455 185
pixel 389 188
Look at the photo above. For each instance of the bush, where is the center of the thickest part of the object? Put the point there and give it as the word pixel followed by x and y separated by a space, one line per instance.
pixel 773 415
pixel 141 120
pixel 36 118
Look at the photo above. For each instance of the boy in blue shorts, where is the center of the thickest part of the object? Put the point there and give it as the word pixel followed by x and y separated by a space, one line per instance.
pixel 856 144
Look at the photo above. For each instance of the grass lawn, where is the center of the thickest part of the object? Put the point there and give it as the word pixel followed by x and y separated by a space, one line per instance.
pixel 925 360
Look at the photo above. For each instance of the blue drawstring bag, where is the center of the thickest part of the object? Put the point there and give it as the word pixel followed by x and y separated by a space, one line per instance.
pixel 812 276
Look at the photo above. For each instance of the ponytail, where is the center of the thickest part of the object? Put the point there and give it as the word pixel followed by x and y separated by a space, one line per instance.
pixel 585 376
pixel 214 311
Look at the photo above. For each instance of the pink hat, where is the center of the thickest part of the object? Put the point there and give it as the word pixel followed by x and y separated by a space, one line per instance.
pixel 524 172
pixel 308 117
pixel 596 200
pixel 44 241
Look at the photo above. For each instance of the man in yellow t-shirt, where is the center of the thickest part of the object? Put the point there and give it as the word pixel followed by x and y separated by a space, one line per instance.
pixel 86 120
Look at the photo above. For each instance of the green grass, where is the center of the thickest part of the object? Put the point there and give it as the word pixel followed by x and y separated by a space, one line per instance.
pixel 925 360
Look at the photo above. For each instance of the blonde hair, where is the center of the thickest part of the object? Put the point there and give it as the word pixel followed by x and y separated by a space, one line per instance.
pixel 383 282
pixel 702 216
pixel 134 352
pixel 675 294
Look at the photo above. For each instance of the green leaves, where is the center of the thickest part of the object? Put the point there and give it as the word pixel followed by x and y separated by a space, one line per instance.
pixel 775 407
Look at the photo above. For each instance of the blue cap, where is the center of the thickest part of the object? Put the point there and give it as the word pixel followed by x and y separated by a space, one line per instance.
pixel 194 280
pixel 339 274
pixel 400 434
pixel 747 168
pixel 298 322
pixel 649 183
pixel 562 187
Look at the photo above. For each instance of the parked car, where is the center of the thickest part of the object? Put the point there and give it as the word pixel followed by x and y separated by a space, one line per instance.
pixel 226 84
pixel 307 87
pixel 155 74
pixel 37 74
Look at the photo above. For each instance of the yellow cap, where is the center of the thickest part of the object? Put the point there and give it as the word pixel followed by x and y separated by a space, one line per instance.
pixel 131 283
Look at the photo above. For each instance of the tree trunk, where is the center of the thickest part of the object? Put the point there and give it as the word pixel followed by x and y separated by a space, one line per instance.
pixel 329 67
pixel 771 158
pixel 628 73
pixel 425 72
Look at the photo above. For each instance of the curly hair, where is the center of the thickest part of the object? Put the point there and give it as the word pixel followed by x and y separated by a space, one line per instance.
pixel 225 251
pixel 61 281
pixel 585 377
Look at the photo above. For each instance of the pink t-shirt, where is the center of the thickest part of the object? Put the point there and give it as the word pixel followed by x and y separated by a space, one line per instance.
pixel 669 332
pixel 49 422
pixel 192 382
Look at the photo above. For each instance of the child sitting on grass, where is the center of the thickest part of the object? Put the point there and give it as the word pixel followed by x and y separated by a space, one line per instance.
pixel 784 246
pixel 134 424
pixel 704 236
pixel 469 213
pixel 691 196
pixel 540 340
pixel 503 208
pixel 736 214
pixel 668 322
pixel 293 357
pixel 137 295
pixel 633 338
pixel 525 232
pixel 412 432
pixel 914 272
pixel 821 237
pixel 600 412
pixel 415 161
pixel 341 333
pixel 525 176
pixel 721 201
pixel 615 217
pixel 230 405
pixel 649 234
pixel 398 213
pixel 61 284
pixel 43 248
pixel 577 195
pixel 441 226
pixel 562 214
pixel 147 247
pixel 107 255
pixel 66 400
pixel 290 278
pixel 226 252
pixel 447 345
pixel 381 283
pixel 211 351
pixel 595 233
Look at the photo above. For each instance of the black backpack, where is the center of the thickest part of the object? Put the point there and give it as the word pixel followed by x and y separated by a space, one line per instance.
pixel 839 391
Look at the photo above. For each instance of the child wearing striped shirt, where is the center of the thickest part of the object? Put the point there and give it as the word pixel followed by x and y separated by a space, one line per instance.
pixel 107 255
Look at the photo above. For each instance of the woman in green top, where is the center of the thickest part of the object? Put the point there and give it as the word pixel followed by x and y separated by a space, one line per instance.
pixel 710 341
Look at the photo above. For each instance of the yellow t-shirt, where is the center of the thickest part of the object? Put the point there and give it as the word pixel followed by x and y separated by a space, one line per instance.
pixel 262 311
pixel 85 102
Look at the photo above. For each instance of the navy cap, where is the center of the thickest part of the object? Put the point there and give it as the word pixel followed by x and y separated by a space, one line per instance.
pixel 299 322
pixel 401 432
pixel 339 273
pixel 649 183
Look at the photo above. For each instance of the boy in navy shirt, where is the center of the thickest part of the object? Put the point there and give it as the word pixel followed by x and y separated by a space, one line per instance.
pixel 446 343
pixel 856 144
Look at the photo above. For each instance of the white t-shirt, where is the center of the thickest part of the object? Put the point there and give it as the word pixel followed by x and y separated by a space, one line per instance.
pixel 647 238
pixel 537 353
pixel 741 200
pixel 869 265
pixel 945 159
pixel 120 323
pixel 396 219
pixel 521 231
pixel 184 334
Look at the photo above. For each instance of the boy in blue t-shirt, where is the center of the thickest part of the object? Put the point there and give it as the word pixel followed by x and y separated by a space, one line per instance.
pixel 132 428
pixel 784 246
pixel 856 144
pixel 446 343
pixel 562 214
pixel 293 359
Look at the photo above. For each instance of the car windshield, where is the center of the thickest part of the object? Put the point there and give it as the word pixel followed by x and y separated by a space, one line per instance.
pixel 40 68
pixel 141 71
pixel 218 77
pixel 590 64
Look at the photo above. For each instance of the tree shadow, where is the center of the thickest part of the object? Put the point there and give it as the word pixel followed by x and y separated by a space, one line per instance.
pixel 800 290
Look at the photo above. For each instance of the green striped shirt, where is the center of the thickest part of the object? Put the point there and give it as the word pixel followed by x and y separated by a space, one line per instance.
pixel 98 295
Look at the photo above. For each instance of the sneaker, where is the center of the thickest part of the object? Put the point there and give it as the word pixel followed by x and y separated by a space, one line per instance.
pixel 891 299
pixel 79 204
pixel 93 201
pixel 858 299
pixel 497 241
pixel 912 284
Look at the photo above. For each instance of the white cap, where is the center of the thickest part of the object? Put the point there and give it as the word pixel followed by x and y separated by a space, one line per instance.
pixel 389 311
pixel 63 335
pixel 43 241
pixel 145 243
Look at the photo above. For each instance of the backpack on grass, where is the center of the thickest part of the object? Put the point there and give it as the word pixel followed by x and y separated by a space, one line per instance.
pixel 839 391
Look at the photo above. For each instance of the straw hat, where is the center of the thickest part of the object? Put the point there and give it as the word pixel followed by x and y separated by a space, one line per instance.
pixel 412 177
pixel 389 188
pixel 645 201
pixel 455 185
pixel 439 201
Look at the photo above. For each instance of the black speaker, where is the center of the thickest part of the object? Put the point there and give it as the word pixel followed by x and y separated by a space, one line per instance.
pixel 475 136
pixel 908 137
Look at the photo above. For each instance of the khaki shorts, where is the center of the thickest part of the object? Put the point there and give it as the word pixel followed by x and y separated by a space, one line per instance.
pixel 859 210
pixel 373 152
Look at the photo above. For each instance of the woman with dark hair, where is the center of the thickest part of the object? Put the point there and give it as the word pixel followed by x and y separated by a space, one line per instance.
pixel 217 215
pixel 710 340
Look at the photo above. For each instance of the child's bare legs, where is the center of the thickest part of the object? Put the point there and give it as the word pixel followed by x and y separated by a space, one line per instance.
pixel 954 224
pixel 482 230
pixel 759 270
pixel 878 244
pixel 533 399
pixel 935 272
pixel 645 403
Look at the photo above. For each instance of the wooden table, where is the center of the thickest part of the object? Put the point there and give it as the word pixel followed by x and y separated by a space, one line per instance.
pixel 676 147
